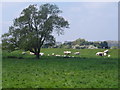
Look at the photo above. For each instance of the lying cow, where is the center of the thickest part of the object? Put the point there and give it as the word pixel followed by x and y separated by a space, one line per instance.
pixel 77 53
pixel 67 52
pixel 31 53
pixel 101 54
pixel 23 53
pixel 41 54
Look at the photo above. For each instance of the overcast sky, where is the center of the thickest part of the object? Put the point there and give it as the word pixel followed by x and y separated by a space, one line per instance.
pixel 93 21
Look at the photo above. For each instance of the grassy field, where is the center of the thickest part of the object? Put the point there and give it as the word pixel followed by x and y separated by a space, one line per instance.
pixel 84 71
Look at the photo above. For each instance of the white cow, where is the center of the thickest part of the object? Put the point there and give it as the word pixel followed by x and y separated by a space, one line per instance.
pixel 48 54
pixel 57 55
pixel 67 52
pixel 23 53
pixel 53 54
pixel 108 55
pixel 41 54
pixel 100 53
pixel 77 53
pixel 31 53
pixel 64 55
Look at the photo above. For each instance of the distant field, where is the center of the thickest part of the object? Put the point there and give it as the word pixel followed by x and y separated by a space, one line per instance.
pixel 84 71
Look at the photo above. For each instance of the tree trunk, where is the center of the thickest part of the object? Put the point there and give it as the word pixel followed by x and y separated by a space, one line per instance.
pixel 37 54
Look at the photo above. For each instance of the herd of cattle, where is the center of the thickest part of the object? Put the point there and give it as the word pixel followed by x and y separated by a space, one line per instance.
pixel 67 53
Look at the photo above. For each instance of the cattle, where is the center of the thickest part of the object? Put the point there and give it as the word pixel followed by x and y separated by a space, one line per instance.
pixel 53 54
pixel 48 54
pixel 108 55
pixel 77 53
pixel 64 55
pixel 31 53
pixel 41 54
pixel 23 53
pixel 67 52
pixel 57 55
pixel 100 53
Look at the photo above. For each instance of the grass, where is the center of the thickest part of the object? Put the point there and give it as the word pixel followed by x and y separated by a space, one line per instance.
pixel 84 71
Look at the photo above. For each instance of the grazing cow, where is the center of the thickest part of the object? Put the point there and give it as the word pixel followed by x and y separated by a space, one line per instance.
pixel 41 54
pixel 108 55
pixel 77 53
pixel 48 54
pixel 57 55
pixel 31 53
pixel 67 52
pixel 66 56
pixel 53 54
pixel 23 53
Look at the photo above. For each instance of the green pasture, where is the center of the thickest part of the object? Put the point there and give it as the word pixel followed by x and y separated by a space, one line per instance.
pixel 83 71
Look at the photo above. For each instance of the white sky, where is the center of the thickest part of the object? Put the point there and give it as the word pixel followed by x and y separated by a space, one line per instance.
pixel 59 0
pixel 93 21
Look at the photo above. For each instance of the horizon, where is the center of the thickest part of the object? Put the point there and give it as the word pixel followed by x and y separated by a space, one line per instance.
pixel 92 21
pixel 89 41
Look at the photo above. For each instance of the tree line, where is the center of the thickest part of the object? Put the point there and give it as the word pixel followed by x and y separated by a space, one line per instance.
pixel 78 44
